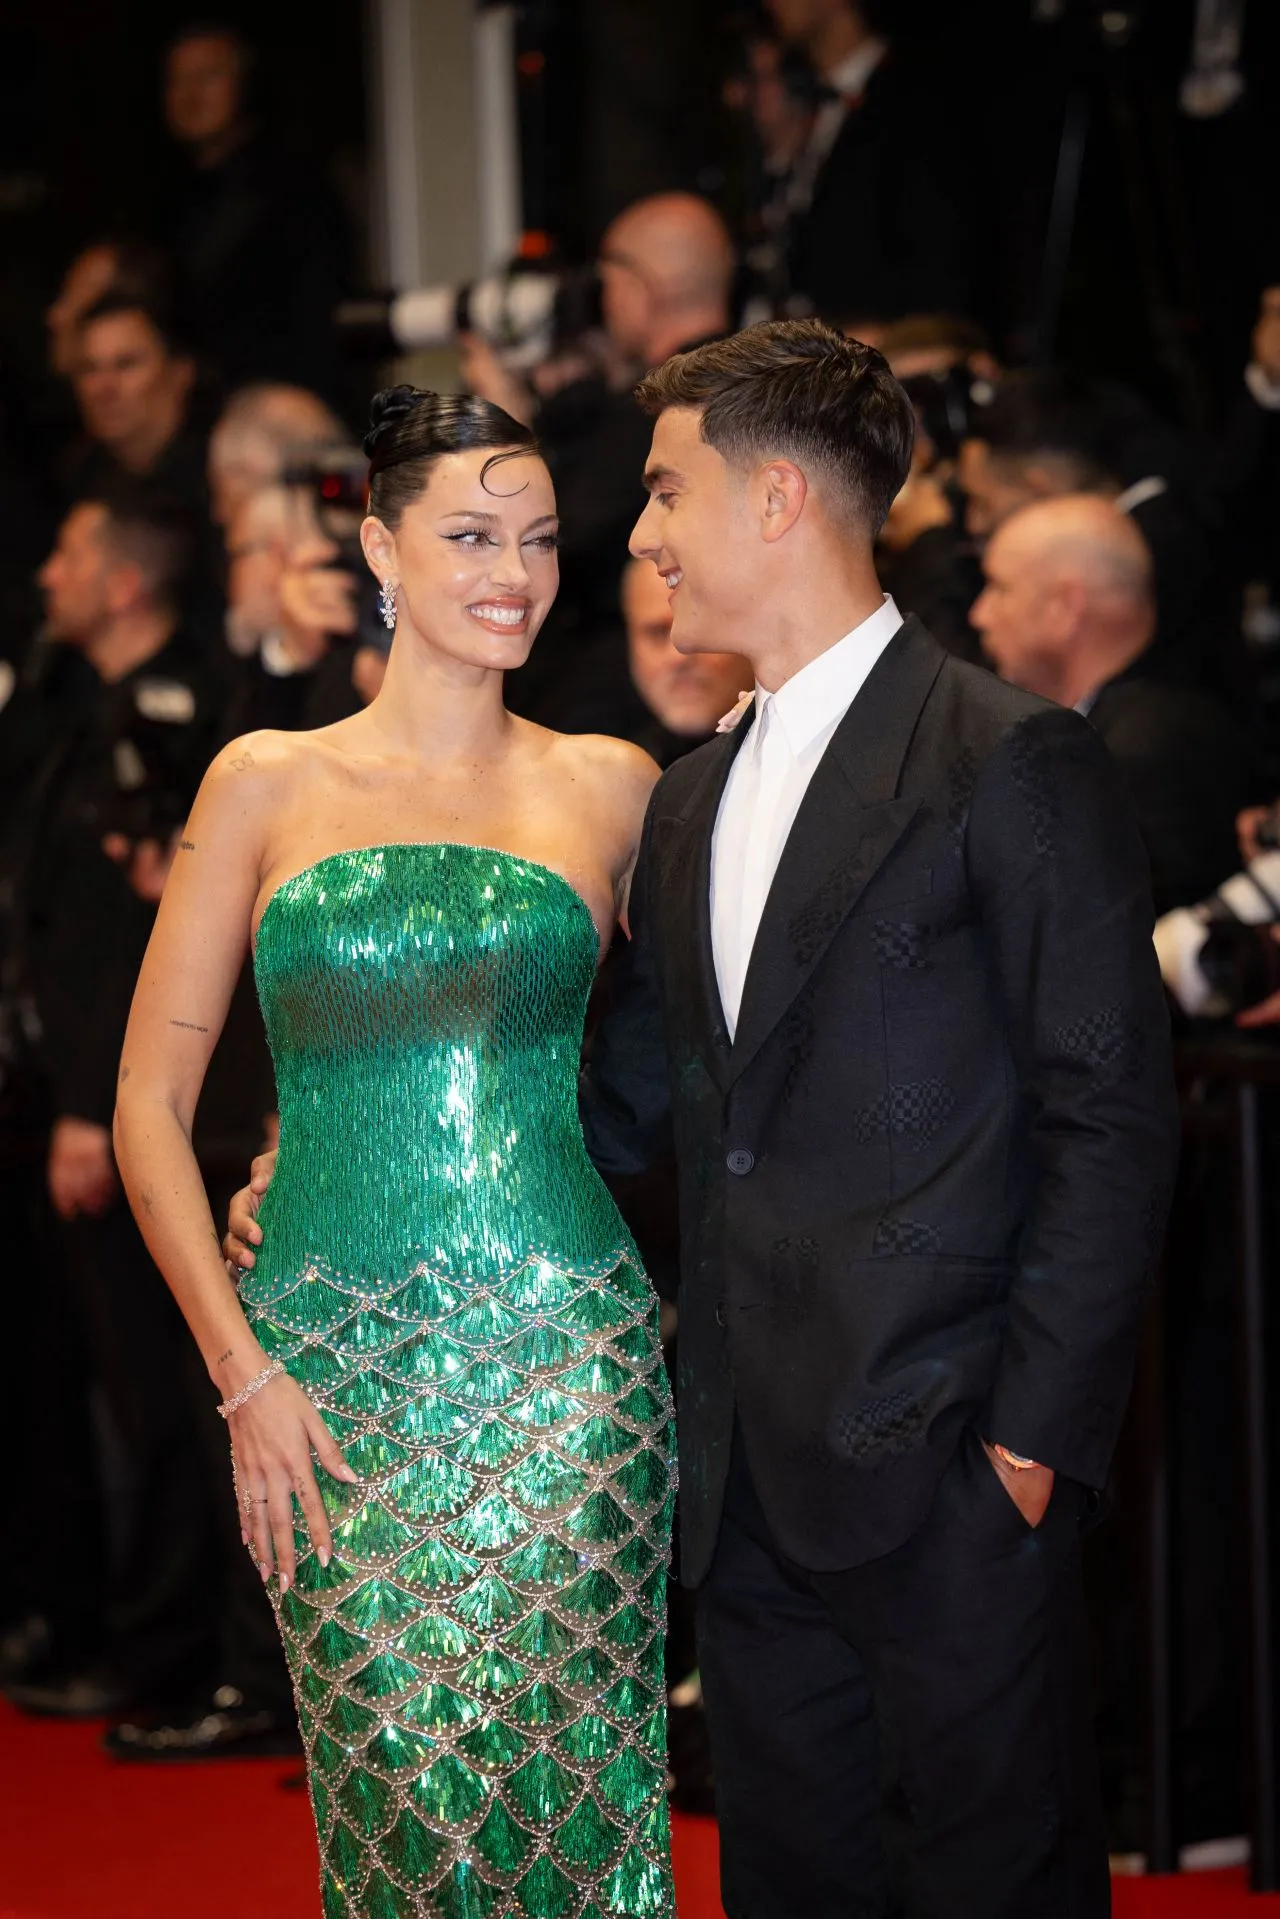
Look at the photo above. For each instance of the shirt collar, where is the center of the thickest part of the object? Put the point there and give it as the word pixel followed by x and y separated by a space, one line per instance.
pixel 814 699
pixel 851 74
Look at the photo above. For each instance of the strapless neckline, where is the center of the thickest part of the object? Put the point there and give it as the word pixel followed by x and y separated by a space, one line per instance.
pixel 424 846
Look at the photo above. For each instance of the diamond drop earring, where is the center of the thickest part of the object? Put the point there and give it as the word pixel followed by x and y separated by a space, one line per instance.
pixel 387 603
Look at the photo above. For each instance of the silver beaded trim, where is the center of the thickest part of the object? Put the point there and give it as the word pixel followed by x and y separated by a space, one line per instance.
pixel 255 1385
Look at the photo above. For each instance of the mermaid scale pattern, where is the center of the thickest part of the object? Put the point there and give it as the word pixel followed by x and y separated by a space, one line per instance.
pixel 479 1669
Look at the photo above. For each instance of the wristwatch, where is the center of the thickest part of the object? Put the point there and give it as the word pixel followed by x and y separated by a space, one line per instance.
pixel 1016 1460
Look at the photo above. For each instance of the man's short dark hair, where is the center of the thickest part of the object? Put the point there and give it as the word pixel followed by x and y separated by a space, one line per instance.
pixel 798 390
pixel 1046 414
pixel 155 534
pixel 155 307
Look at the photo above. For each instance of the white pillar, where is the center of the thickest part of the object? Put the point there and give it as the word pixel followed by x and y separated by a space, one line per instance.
pixel 446 149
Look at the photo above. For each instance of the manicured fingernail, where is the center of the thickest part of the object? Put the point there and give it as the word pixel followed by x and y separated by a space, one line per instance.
pixel 322 1554
pixel 265 1570
pixel 284 1583
pixel 256 1235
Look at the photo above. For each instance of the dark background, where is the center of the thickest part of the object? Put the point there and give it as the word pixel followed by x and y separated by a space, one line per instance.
pixel 1176 227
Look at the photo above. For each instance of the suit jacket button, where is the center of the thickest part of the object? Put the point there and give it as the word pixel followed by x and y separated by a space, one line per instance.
pixel 740 1161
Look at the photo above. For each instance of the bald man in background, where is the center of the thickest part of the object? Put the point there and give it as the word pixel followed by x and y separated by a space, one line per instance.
pixel 1068 611
pixel 686 695
pixel 666 270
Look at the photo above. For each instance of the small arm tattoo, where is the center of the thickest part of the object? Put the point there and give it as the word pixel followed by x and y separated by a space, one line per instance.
pixel 124 1074
pixel 186 846
pixel 245 761
pixel 148 1200
pixel 222 1358
pixel 188 1026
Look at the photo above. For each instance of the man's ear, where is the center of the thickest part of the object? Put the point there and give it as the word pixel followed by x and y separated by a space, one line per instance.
pixel 782 491
pixel 1066 609
pixel 379 545
pixel 124 585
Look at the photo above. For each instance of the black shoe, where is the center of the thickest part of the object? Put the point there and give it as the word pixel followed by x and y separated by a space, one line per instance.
pixel 56 1693
pixel 690 1786
pixel 25 1649
pixel 227 1728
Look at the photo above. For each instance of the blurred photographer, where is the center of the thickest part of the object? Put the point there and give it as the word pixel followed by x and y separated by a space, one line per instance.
pixel 927 559
pixel 302 604
pixel 666 268
pixel 1220 959
pixel 122 769
pixel 262 431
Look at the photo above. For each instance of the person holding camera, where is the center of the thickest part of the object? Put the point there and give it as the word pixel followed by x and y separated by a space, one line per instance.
pixel 122 769
pixel 666 267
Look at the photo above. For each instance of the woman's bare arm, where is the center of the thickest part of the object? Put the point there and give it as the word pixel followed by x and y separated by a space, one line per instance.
pixel 623 777
pixel 191 966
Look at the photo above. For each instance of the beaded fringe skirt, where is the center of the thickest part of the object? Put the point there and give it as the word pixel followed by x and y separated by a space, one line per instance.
pixel 479 1669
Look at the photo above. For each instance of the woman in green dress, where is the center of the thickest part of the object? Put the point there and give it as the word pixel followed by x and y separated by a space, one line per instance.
pixel 442 1378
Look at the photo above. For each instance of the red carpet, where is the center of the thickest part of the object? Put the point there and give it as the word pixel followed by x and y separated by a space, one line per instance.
pixel 85 1839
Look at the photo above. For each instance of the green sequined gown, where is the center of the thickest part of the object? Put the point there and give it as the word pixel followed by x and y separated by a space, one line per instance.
pixel 479 1670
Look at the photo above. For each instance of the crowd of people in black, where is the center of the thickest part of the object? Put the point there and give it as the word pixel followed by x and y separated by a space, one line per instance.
pixel 191 540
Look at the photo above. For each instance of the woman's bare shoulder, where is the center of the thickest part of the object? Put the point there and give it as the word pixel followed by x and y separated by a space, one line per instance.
pixel 268 759
pixel 614 766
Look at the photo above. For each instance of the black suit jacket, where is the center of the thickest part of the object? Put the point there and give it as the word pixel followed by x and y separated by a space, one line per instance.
pixel 925 1186
pixel 886 232
pixel 1185 765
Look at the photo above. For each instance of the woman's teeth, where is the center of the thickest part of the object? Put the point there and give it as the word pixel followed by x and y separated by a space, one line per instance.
pixel 500 615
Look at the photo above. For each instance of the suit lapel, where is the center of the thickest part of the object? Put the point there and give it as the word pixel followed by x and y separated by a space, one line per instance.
pixel 685 883
pixel 849 822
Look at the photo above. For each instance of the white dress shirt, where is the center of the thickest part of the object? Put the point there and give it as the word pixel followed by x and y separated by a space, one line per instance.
pixel 767 782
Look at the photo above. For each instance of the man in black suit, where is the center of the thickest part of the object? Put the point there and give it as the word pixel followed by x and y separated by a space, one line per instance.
pixel 1068 612
pixel 873 226
pixel 891 985
pixel 891 981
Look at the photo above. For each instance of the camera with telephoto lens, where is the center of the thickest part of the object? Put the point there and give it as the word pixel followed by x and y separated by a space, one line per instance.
pixel 527 313
pixel 945 405
pixel 1219 958
pixel 337 488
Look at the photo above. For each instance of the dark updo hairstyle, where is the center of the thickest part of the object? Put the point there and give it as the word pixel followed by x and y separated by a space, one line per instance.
pixel 410 429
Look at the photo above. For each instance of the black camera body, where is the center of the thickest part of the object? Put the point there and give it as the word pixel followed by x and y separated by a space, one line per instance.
pixel 338 489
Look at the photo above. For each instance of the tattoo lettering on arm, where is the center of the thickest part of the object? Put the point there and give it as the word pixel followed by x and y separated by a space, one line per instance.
pixel 188 1026
pixel 186 846
pixel 222 1358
